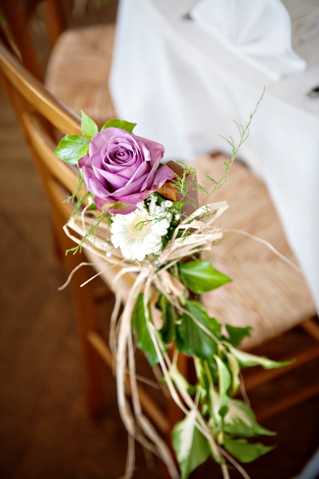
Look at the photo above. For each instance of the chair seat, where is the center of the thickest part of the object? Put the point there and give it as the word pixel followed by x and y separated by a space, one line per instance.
pixel 78 70
pixel 266 293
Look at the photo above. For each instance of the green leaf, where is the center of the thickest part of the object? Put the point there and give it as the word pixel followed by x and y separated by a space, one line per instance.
pixel 71 148
pixel 191 447
pixel 200 276
pixel 237 333
pixel 245 451
pixel 191 339
pixel 247 360
pixel 224 382
pixel 234 372
pixel 169 317
pixel 88 126
pixel 122 124
pixel 144 341
pixel 179 379
pixel 240 420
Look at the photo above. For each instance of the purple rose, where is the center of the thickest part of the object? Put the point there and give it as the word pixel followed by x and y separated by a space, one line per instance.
pixel 122 167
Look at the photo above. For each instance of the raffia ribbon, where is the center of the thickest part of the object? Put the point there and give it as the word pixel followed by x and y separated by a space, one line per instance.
pixel 195 234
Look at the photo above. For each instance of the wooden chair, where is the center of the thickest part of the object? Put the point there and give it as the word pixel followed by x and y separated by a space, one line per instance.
pixel 19 18
pixel 80 59
pixel 265 293
pixel 39 114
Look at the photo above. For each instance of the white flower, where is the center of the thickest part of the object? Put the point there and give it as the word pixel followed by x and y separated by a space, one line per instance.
pixel 139 234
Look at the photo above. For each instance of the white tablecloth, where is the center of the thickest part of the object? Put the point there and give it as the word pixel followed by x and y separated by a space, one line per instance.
pixel 184 87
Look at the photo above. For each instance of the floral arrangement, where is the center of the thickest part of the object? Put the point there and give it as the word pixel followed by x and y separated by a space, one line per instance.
pixel 141 217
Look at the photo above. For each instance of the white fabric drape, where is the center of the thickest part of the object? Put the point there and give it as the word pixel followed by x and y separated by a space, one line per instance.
pixel 183 75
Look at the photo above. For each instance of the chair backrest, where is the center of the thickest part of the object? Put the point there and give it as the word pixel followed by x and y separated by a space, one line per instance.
pixel 40 115
pixel 18 19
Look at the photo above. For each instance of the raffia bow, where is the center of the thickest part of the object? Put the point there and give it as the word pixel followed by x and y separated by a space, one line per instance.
pixel 195 234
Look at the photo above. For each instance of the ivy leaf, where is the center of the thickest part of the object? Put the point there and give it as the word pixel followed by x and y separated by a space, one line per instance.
pixel 234 370
pixel 71 148
pixel 88 126
pixel 200 276
pixel 191 447
pixel 237 333
pixel 140 318
pixel 247 360
pixel 240 421
pixel 191 339
pixel 179 379
pixel 169 316
pixel 122 124
pixel 245 451
pixel 224 382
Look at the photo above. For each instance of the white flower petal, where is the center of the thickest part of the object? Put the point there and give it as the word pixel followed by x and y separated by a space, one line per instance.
pixel 140 233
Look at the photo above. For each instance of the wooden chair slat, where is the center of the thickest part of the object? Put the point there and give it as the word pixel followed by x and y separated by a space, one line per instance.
pixel 18 19
pixel 43 146
pixel 37 96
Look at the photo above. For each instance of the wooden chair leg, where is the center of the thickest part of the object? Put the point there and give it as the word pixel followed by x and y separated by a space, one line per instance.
pixel 86 317
pixel 262 377
pixel 312 328
pixel 149 406
pixel 288 402
pixel 58 252
pixel 55 19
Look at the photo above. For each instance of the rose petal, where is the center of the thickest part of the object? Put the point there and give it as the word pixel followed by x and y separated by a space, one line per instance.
pixel 94 185
pixel 114 179
pixel 156 149
pixel 130 188
pixel 163 174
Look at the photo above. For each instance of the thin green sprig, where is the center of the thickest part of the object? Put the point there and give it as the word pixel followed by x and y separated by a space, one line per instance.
pixel 243 131
pixel 90 232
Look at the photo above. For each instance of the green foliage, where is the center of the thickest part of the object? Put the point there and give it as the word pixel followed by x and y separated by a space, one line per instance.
pixel 240 421
pixel 71 148
pixel 191 447
pixel 243 131
pixel 140 319
pixel 224 382
pixel 169 317
pixel 247 360
pixel 122 124
pixel 88 126
pixel 90 232
pixel 196 332
pixel 200 276
pixel 245 451
pixel 234 370
pixel 184 181
pixel 237 333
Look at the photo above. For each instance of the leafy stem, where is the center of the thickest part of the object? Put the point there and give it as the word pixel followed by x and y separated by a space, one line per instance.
pixel 243 131
pixel 90 232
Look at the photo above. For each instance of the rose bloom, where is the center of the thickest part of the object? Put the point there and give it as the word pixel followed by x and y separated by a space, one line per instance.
pixel 122 167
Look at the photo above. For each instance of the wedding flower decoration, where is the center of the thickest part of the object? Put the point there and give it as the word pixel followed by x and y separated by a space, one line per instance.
pixel 127 218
